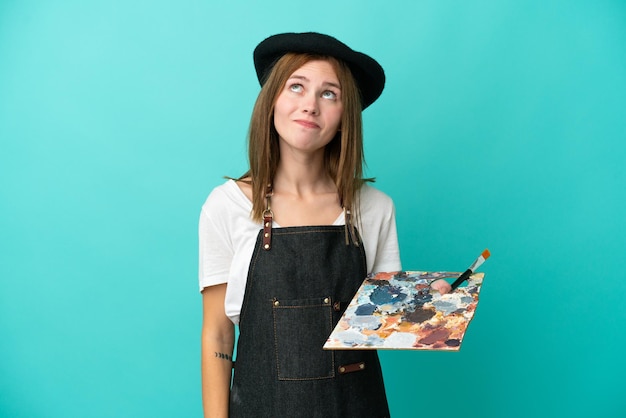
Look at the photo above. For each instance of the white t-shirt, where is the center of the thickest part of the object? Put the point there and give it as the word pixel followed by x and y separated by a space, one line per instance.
pixel 227 236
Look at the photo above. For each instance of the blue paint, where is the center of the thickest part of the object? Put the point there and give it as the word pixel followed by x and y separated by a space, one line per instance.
pixel 422 298
pixel 366 309
pixel 445 307
pixel 365 323
pixel 374 341
pixel 387 294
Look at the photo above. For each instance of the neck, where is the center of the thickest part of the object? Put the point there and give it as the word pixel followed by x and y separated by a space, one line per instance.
pixel 303 177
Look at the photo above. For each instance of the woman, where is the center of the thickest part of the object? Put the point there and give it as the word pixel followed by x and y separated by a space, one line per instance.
pixel 284 248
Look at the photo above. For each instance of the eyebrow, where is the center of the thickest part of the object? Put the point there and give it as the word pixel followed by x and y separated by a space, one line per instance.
pixel 326 83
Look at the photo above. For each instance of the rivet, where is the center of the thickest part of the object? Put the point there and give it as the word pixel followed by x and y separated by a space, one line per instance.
pixel 276 303
pixel 342 370
pixel 326 300
pixel 361 366
pixel 266 235
pixel 267 224
pixel 266 246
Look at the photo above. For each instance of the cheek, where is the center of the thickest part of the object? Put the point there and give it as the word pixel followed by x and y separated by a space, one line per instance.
pixel 281 108
pixel 278 110
pixel 283 100
pixel 336 119
pixel 281 116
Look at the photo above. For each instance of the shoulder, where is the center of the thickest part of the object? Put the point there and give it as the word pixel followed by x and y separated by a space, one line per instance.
pixel 225 217
pixel 375 208
pixel 227 197
pixel 370 198
pixel 227 208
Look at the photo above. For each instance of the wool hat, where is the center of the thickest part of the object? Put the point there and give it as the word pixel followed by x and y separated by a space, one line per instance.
pixel 369 75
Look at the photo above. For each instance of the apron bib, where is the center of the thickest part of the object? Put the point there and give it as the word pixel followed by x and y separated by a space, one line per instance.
pixel 295 294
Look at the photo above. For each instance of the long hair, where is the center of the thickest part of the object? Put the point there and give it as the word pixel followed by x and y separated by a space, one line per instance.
pixel 343 157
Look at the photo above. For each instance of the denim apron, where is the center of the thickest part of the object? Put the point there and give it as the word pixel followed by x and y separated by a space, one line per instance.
pixel 295 294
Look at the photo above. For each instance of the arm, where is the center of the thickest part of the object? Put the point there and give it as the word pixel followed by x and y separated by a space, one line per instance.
pixel 218 335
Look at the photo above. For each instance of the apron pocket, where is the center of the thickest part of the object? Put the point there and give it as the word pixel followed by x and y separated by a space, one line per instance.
pixel 301 327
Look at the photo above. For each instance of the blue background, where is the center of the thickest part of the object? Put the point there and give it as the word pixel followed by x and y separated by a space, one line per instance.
pixel 502 126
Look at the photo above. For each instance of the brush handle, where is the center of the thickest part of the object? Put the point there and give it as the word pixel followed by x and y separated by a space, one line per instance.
pixel 461 278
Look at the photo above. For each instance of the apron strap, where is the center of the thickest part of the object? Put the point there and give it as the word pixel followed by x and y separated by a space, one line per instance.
pixel 349 228
pixel 268 215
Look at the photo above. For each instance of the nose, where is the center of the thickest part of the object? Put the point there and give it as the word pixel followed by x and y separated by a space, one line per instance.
pixel 310 105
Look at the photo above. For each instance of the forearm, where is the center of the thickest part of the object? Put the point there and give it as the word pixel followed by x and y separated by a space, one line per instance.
pixel 216 375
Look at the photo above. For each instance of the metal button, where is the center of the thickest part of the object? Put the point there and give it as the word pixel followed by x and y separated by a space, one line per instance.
pixel 326 300
pixel 276 303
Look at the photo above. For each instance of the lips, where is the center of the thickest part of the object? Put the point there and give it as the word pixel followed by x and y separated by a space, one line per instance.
pixel 307 124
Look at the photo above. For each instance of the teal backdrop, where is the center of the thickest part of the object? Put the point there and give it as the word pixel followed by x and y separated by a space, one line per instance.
pixel 502 125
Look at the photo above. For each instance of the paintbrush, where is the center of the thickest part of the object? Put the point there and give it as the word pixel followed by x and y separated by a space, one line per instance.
pixel 465 275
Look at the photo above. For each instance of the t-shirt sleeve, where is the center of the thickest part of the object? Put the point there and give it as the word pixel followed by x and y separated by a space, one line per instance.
pixel 378 215
pixel 387 249
pixel 215 245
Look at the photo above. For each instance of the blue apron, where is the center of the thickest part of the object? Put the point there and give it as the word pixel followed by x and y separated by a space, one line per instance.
pixel 295 294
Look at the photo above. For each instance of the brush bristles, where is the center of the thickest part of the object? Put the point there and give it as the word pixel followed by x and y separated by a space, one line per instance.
pixel 481 259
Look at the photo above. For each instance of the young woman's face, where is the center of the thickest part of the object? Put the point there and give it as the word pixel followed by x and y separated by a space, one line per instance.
pixel 308 110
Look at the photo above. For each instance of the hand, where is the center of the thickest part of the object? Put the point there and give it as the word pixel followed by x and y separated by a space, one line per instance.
pixel 441 286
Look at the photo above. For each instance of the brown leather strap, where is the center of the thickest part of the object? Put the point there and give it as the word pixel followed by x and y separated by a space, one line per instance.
pixel 349 228
pixel 267 220
pixel 350 368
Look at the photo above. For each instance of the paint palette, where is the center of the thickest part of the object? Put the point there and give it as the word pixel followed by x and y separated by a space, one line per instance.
pixel 400 311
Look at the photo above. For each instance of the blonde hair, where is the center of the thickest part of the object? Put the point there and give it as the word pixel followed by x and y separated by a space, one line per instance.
pixel 343 157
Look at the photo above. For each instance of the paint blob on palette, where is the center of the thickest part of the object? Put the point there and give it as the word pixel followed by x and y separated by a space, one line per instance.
pixel 400 311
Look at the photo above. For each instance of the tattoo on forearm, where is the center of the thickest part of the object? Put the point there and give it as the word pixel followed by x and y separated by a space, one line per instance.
pixel 223 356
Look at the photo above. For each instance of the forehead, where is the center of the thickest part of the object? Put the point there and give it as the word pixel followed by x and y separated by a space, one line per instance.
pixel 320 70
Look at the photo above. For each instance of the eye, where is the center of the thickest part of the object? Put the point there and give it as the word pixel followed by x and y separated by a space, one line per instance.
pixel 296 88
pixel 329 95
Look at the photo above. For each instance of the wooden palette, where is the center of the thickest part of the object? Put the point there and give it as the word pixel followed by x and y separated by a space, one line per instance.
pixel 399 311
